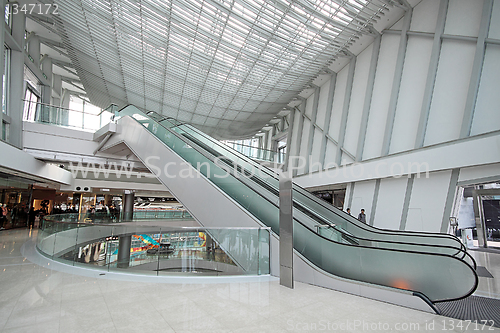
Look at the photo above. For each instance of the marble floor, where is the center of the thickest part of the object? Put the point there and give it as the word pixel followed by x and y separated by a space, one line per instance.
pixel 37 299
pixel 488 287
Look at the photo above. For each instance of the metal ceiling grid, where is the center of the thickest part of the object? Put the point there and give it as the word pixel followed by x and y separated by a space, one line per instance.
pixel 191 58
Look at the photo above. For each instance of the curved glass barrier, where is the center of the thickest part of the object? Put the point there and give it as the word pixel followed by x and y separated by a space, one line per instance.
pixel 263 205
pixel 154 249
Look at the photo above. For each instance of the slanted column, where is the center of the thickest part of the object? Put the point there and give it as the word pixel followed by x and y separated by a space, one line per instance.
pixel 16 86
pixel 46 63
pixel 34 49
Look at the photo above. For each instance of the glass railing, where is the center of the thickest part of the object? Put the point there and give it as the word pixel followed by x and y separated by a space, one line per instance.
pixel 154 249
pixel 112 217
pixel 342 254
pixel 248 151
pixel 256 153
pixel 55 115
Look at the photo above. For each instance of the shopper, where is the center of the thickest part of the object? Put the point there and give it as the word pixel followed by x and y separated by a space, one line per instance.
pixel 3 218
pixel 362 216
pixel 31 217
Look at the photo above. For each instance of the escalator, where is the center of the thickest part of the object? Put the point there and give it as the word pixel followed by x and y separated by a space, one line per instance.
pixel 435 267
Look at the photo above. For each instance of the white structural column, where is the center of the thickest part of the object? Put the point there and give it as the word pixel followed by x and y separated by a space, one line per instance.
pixel 328 117
pixel 312 127
pixel 2 60
pixel 291 115
pixel 374 202
pixel 396 83
pixel 406 204
pixel 345 108
pixel 46 63
pixel 34 48
pixel 65 98
pixel 477 67
pixel 452 188
pixel 300 130
pixel 57 87
pixel 350 194
pixel 431 74
pixel 16 87
pixel 368 98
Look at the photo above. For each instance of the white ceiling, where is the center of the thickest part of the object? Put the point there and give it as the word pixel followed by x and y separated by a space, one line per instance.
pixel 227 67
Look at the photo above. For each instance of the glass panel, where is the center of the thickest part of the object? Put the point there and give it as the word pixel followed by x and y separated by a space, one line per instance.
pixel 363 253
pixel 154 249
pixel 304 201
pixel 405 270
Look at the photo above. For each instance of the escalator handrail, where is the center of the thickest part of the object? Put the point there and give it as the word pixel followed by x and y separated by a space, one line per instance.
pixel 318 216
pixel 177 124
pixel 317 200
pixel 197 148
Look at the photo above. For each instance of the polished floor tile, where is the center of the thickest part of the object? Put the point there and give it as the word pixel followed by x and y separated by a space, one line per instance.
pixel 38 299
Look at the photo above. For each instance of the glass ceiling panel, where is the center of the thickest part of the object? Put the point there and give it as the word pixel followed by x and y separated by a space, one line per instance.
pixel 252 52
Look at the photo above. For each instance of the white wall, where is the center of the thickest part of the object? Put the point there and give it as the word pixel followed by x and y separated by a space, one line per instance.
pixel 439 120
pixel 450 91
pixel 487 112
pixel 356 103
pixel 390 202
pixel 411 94
pixel 427 202
pixel 362 198
pixel 381 96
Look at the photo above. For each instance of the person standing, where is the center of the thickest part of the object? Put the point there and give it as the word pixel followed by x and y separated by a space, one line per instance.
pixel 348 211
pixel 31 217
pixel 3 217
pixel 362 216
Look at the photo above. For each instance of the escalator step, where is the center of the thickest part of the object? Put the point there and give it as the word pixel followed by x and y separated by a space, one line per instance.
pixel 473 308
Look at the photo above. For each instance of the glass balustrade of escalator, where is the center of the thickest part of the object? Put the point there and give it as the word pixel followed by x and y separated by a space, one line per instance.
pixel 313 246
pixel 314 206
pixel 307 203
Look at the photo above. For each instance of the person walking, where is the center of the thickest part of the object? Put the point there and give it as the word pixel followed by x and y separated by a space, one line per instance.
pixel 3 217
pixel 362 216
pixel 31 217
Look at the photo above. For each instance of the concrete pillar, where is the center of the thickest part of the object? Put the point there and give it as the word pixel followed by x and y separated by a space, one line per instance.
pixel 16 88
pixel 124 244
pixel 108 199
pixel 34 50
pixel 2 38
pixel 47 70
pixel 65 99
pixel 479 218
pixel 128 206
pixel 57 87
pixel 286 232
